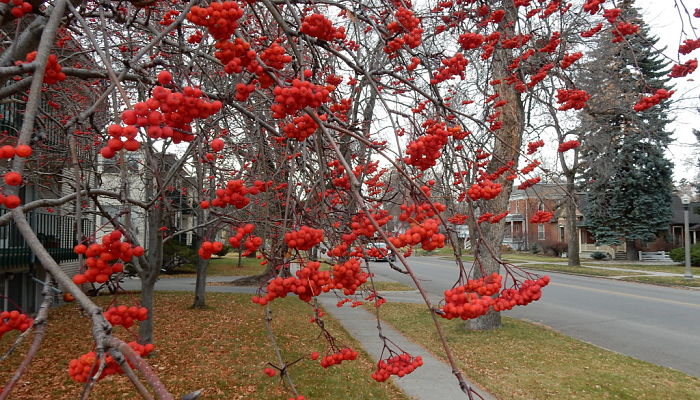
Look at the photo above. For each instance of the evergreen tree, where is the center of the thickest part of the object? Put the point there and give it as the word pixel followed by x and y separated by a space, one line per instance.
pixel 627 176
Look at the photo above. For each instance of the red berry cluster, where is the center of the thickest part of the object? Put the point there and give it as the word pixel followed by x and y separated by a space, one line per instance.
pixel 541 217
pixel 485 189
pixel 623 29
pixel 115 143
pixel 592 6
pixel 689 45
pixel 361 225
pixel 13 178
pixel 10 201
pixel 236 239
pixel 533 146
pixel 126 316
pixel 681 70
pixel 529 183
pixel 220 19
pixel 303 239
pixel 530 167
pixel 320 27
pixel 20 7
pixel 424 151
pixel 650 101
pixel 11 320
pixel 348 276
pixel 406 29
pixel 237 55
pixel 101 261
pixel 346 354
pixel 244 91
pixel 270 372
pixel 569 59
pixel 53 73
pixel 528 292
pixel 81 367
pixel 235 193
pixel 426 233
pixel 301 127
pixel 470 40
pixel 301 94
pixel 22 150
pixel 568 145
pixel 399 365
pixel 252 244
pixel 217 145
pixel 572 98
pixel 275 56
pixel 310 282
pixel 208 248
pixel 452 67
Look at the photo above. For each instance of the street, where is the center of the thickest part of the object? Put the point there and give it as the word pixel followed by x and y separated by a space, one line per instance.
pixel 652 323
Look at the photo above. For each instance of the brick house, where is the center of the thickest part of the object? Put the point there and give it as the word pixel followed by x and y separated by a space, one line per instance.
pixel 521 234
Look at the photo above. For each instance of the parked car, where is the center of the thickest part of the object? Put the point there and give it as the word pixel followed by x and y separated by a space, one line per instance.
pixel 379 251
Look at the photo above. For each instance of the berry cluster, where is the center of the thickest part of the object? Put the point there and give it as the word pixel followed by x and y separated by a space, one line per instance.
pixel 301 127
pixel 424 151
pixel 101 261
pixel 217 145
pixel 252 244
pixel 528 292
pixel 689 45
pixel 237 55
pixel 244 91
pixel 650 101
pixel 126 316
pixel 534 145
pixel 451 67
pixel 269 372
pixel 348 276
pixel 529 183
pixel 303 239
pixel 53 73
pixel 485 189
pixel 399 365
pixel 81 367
pixel 572 98
pixel 568 145
pixel 569 59
pixel 361 225
pixel 20 7
pixel 346 354
pixel 310 282
pixel 22 150
pixel 470 40
pixel 290 99
pixel 10 201
pixel 320 27
pixel 236 239
pixel 115 143
pixel 623 29
pixel 235 193
pixel 220 19
pixel 541 217
pixel 275 56
pixel 681 70
pixel 426 233
pixel 11 320
pixel 406 29
pixel 208 248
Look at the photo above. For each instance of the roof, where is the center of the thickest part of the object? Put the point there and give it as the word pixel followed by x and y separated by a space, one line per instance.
pixel 540 191
pixel 677 217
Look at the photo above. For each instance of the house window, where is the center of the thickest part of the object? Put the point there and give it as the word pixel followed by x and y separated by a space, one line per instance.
pixel 517 207
pixel 561 233
pixel 540 232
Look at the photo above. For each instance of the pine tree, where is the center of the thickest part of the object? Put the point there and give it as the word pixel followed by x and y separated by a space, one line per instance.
pixel 627 177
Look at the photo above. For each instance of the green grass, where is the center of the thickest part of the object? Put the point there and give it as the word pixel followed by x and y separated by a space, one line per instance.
pixel 666 280
pixel 222 350
pixel 673 269
pixel 387 286
pixel 525 361
pixel 223 266
pixel 578 270
pixel 522 256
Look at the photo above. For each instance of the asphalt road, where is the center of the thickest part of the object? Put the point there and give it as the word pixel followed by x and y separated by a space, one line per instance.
pixel 652 323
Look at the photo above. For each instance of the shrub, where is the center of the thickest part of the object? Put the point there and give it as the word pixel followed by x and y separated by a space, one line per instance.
pixel 177 256
pixel 535 249
pixel 678 255
pixel 554 248
pixel 225 250
pixel 598 255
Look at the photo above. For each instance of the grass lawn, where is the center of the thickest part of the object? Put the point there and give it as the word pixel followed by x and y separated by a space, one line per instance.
pixel 527 361
pixel 222 350
pixel 673 269
pixel 387 286
pixel 578 270
pixel 226 265
pixel 666 280
pixel 522 256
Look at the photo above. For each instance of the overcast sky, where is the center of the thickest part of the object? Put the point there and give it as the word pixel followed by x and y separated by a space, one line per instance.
pixel 665 22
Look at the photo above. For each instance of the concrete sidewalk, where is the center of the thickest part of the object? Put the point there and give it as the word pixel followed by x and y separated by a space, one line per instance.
pixel 433 381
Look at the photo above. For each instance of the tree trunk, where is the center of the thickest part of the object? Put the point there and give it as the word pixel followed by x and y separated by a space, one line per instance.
pixel 572 224
pixel 146 326
pixel 632 254
pixel 506 148
pixel 200 287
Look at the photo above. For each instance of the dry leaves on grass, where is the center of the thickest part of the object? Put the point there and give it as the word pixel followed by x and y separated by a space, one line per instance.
pixel 222 349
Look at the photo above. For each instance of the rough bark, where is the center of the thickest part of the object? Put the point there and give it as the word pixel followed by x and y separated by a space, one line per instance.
pixel 572 224
pixel 200 288
pixel 632 253
pixel 506 148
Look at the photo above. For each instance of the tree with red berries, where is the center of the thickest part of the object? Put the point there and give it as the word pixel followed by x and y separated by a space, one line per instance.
pixel 297 129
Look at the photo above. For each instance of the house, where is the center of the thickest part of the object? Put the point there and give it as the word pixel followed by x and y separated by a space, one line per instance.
pixel 520 233
pixel 676 231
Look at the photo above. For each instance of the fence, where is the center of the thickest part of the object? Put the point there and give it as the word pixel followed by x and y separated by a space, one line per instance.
pixel 56 233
